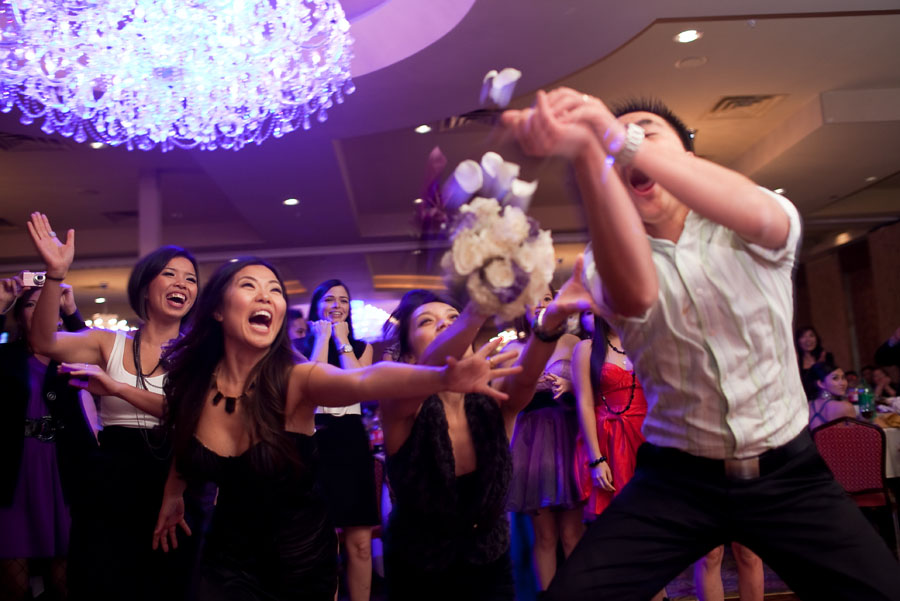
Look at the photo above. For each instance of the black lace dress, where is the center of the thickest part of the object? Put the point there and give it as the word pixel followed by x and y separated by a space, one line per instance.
pixel 270 537
pixel 448 536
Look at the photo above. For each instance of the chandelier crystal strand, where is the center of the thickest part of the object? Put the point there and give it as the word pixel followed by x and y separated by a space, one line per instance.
pixel 202 74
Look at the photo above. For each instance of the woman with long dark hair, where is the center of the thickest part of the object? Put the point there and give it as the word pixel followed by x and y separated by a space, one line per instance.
pixel 448 457
pixel 611 409
pixel 830 401
pixel 34 495
pixel 347 469
pixel 809 352
pixel 125 370
pixel 242 414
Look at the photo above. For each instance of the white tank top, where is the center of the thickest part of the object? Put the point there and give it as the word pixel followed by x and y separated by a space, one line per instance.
pixel 113 410
pixel 340 411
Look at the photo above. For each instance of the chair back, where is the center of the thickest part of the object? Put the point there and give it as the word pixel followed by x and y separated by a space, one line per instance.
pixel 854 451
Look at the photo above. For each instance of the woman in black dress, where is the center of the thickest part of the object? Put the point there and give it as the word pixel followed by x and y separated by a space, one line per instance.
pixel 448 454
pixel 348 473
pixel 241 412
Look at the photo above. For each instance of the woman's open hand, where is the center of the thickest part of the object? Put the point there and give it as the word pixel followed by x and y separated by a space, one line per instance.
pixel 473 373
pixel 56 255
pixel 171 516
pixel 573 297
pixel 92 378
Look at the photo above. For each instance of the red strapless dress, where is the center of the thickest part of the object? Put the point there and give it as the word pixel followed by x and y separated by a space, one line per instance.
pixel 618 432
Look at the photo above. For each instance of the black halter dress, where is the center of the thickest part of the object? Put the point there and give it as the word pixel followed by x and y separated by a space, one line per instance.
pixel 270 537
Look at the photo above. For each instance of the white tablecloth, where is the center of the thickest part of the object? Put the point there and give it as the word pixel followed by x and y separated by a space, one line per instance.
pixel 892 452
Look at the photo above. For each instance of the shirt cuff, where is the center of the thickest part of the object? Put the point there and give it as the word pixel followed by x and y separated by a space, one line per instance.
pixel 788 250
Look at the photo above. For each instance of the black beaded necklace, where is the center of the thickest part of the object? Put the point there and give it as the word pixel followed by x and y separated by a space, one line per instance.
pixel 136 350
pixel 230 401
pixel 633 385
pixel 614 347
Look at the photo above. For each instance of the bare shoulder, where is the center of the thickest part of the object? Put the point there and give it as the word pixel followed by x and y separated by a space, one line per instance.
pixel 582 348
pixel 568 341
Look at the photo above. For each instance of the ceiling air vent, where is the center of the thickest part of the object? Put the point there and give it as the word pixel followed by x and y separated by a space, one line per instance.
pixel 120 216
pixel 10 142
pixel 744 107
pixel 487 117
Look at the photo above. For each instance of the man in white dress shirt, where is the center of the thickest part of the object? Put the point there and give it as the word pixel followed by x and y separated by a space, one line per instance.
pixel 692 264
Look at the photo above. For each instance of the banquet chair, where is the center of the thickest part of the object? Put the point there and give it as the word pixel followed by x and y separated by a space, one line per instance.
pixel 854 451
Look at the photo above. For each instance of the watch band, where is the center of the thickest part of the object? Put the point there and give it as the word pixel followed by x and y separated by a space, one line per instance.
pixel 634 136
pixel 540 334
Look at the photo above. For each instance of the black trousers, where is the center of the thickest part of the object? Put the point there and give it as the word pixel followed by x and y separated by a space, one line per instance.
pixel 678 507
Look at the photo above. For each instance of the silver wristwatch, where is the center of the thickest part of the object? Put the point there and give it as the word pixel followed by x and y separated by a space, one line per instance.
pixel 634 135
pixel 345 348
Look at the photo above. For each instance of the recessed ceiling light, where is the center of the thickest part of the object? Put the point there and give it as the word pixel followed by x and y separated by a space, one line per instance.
pixel 418 201
pixel 291 202
pixel 100 300
pixel 778 190
pixel 423 129
pixel 97 145
pixel 232 260
pixel 688 35
pixel 871 179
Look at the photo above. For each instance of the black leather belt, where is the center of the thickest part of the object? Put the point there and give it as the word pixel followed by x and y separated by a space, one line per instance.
pixel 733 469
pixel 42 428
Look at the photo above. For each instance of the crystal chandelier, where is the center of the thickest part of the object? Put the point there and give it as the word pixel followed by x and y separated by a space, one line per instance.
pixel 173 73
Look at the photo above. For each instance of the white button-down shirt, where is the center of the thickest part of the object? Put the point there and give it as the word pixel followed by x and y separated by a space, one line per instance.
pixel 715 353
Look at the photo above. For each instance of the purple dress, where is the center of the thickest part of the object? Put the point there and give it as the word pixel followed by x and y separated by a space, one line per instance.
pixel 37 522
pixel 543 451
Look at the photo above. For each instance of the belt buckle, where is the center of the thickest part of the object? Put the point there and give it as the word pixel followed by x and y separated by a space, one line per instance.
pixel 742 469
pixel 42 429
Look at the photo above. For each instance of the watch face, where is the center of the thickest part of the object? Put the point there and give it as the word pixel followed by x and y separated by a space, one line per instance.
pixel 346 348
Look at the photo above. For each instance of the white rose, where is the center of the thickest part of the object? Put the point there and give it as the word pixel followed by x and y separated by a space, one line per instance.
pixel 484 208
pixel 481 296
pixel 499 273
pixel 512 227
pixel 467 253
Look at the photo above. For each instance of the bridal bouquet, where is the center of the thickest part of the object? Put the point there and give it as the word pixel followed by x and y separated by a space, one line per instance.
pixel 501 256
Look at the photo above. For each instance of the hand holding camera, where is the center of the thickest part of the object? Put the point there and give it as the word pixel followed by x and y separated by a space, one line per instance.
pixel 11 289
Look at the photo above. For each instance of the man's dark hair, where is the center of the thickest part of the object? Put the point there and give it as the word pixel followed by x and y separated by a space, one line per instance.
pixel 658 108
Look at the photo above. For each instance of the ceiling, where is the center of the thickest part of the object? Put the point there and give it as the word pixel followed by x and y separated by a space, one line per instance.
pixel 825 127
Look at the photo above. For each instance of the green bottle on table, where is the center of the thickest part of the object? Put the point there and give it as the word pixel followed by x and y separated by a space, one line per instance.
pixel 866 401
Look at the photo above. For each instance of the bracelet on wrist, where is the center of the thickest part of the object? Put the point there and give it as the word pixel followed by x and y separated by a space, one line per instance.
pixel 544 336
pixel 596 462
pixel 54 278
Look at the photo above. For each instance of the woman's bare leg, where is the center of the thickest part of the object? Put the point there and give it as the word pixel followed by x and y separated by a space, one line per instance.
pixel 546 537
pixel 358 541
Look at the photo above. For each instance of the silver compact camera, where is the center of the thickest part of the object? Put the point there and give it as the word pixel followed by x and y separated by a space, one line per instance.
pixel 34 278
